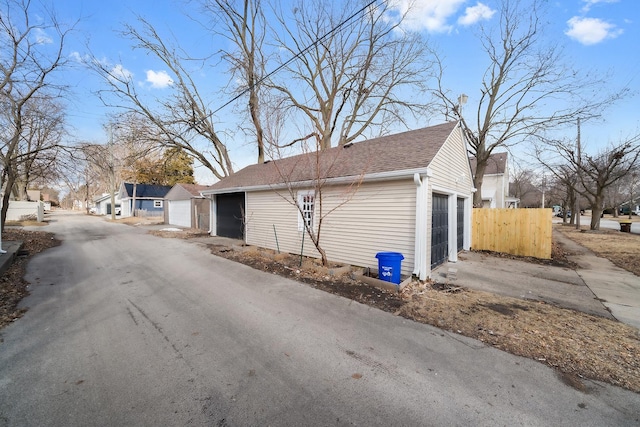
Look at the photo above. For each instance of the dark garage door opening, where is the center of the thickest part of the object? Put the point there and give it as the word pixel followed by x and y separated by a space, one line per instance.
pixel 439 230
pixel 229 211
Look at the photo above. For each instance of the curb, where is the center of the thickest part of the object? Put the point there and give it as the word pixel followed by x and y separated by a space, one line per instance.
pixel 12 247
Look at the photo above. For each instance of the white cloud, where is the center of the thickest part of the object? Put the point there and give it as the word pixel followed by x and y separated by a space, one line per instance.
pixel 476 13
pixel 41 37
pixel 430 15
pixel 119 73
pixel 78 57
pixel 159 79
pixel 590 31
pixel 588 3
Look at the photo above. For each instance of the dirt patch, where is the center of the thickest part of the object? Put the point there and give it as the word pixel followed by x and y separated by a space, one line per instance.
pixel 176 233
pixel 335 278
pixel 13 287
pixel 578 345
pixel 559 257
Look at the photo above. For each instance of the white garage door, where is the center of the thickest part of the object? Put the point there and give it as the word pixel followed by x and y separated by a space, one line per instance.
pixel 180 213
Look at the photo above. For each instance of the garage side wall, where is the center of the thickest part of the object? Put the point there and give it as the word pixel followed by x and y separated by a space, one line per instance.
pixel 201 211
pixel 378 217
pixel 450 166
pixel 451 176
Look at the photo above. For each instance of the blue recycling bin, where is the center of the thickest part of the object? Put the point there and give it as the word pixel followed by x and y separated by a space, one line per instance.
pixel 389 265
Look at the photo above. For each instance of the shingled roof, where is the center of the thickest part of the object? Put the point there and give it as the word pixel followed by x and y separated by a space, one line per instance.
pixel 402 151
pixel 496 164
pixel 146 191
pixel 194 189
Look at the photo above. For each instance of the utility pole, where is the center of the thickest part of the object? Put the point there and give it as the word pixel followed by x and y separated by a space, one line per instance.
pixel 631 205
pixel 2 251
pixel 112 174
pixel 576 208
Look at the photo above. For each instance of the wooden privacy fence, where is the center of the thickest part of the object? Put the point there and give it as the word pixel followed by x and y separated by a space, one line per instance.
pixel 523 232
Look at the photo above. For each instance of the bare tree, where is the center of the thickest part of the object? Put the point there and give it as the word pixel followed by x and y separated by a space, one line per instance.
pixel 311 196
pixel 32 51
pixel 596 173
pixel 352 72
pixel 614 196
pixel 244 26
pixel 527 89
pixel 566 181
pixel 523 186
pixel 184 120
pixel 39 144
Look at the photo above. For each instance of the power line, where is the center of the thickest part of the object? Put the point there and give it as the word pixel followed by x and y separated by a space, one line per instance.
pixel 296 56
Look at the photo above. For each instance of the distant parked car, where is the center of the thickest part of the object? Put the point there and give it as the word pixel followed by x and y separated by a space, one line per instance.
pixel 93 210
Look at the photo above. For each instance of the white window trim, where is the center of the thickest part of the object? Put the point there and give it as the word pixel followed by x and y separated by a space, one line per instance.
pixel 157 203
pixel 301 208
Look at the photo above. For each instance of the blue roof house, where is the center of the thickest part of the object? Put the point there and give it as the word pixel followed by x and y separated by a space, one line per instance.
pixel 142 199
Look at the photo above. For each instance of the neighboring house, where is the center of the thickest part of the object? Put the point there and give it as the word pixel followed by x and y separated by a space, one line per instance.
pixel 34 195
pixel 20 210
pixel 142 199
pixel 408 193
pixel 495 185
pixel 103 204
pixel 635 208
pixel 186 207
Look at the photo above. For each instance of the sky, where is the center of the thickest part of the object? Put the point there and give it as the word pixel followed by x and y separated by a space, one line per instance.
pixel 600 35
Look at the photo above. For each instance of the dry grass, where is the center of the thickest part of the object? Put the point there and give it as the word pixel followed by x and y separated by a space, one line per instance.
pixel 183 233
pixel 577 344
pixel 26 223
pixel 138 220
pixel 623 249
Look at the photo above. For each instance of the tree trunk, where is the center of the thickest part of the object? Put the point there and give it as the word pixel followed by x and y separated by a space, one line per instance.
pixel 20 187
pixel 5 200
pixel 323 254
pixel 481 167
pixel 596 213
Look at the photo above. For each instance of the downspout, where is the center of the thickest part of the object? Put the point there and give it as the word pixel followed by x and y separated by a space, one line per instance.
pixel 134 199
pixel 420 240
pixel 212 214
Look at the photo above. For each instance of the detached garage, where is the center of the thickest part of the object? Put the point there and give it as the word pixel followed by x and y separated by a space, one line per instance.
pixel 186 207
pixel 408 193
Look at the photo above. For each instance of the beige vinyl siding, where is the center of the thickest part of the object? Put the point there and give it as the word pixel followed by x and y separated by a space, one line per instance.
pixel 450 163
pixel 378 217
pixel 268 214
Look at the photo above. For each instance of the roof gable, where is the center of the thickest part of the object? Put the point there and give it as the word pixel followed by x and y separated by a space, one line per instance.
pixel 403 151
pixel 496 164
pixel 185 191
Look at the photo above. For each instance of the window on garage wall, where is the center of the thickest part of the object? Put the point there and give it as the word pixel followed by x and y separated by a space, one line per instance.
pixel 306 206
